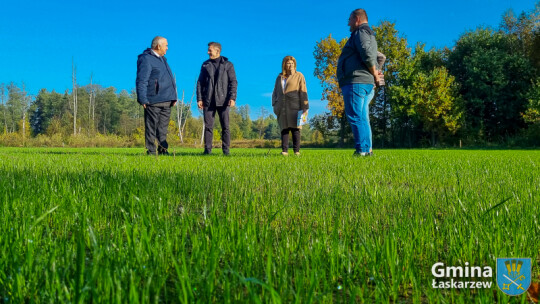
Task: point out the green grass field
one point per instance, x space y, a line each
116 226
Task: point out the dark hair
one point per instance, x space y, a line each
215 45
360 12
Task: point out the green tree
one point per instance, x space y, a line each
326 55
325 124
435 95
261 123
425 97
246 124
107 110
524 28
235 120
532 114
272 131
15 106
387 118
494 80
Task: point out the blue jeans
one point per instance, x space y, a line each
357 97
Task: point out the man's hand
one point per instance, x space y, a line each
232 103
173 104
199 104
377 77
373 70
144 106
379 80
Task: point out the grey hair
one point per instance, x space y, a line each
156 41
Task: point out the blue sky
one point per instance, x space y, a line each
40 38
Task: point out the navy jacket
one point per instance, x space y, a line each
155 81
221 89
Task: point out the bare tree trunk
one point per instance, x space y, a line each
24 127
188 108
5 121
93 106
3 100
179 113
74 93
90 101
179 110
26 105
202 135
384 118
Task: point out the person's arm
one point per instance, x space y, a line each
375 73
274 92
233 85
368 52
304 103
141 83
199 90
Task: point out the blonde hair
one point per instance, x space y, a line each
284 62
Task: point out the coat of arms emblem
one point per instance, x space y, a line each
513 275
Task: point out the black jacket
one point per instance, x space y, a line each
358 54
221 89
155 81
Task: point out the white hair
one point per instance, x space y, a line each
156 41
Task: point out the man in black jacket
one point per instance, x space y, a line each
216 91
156 92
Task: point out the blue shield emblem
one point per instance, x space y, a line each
514 275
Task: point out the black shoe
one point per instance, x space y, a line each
162 151
207 152
226 154
150 153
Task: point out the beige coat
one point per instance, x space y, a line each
289 101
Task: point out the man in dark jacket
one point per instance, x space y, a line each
216 91
357 74
156 92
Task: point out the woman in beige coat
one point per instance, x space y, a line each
288 99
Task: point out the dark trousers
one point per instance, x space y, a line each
295 139
209 115
156 122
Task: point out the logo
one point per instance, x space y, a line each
461 277
514 275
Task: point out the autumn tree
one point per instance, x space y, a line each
326 55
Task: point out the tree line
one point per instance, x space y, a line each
484 89
92 110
